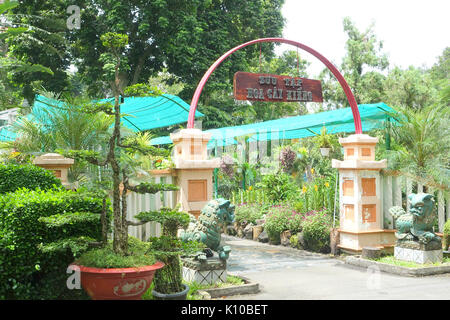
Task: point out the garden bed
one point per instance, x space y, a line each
222 290
403 268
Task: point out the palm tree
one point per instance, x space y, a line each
423 140
61 125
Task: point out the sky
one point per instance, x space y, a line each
413 32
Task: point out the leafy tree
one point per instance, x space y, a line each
15 28
361 67
41 43
187 37
423 139
411 87
60 126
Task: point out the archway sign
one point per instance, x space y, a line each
328 64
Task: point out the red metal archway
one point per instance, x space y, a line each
328 64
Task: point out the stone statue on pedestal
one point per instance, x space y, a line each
208 228
416 240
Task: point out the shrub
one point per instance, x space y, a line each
248 213
13 177
280 218
278 187
446 240
31 218
316 231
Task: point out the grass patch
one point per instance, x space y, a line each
139 255
194 287
391 260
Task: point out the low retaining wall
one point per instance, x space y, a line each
402 271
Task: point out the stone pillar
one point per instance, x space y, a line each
361 218
56 163
193 169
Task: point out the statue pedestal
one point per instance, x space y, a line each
415 252
212 271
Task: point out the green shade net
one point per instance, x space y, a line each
142 113
373 116
145 113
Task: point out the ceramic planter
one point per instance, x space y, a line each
118 283
325 151
182 295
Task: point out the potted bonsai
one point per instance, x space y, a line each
123 268
168 249
324 141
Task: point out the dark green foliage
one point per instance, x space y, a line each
13 177
170 219
22 264
150 187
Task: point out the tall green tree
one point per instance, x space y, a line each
185 36
15 28
411 87
361 67
43 43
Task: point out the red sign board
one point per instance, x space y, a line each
275 88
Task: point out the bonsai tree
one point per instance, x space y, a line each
120 150
168 248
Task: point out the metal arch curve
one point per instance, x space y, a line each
348 92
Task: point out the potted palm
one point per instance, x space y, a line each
168 282
122 268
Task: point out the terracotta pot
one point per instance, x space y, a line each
118 283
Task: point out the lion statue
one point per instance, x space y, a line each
208 228
417 225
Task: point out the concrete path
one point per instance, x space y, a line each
290 274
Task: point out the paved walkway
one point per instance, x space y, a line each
290 274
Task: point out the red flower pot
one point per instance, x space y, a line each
118 283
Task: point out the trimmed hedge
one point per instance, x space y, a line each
23 266
13 177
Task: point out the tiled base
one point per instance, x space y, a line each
205 276
418 256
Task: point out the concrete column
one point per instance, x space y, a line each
56 163
193 169
361 218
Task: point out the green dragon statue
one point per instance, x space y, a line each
208 228
417 225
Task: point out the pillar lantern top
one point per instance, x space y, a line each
360 139
53 159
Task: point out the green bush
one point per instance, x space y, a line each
316 231
446 240
278 187
248 213
31 219
13 177
280 218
